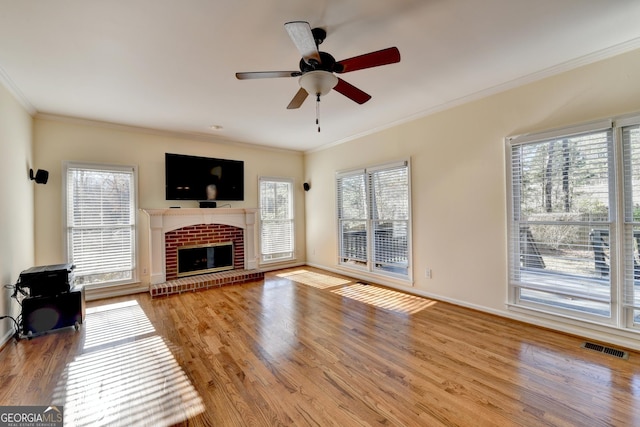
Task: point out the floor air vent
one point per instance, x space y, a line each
606 350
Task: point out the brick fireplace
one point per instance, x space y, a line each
202 234
170 228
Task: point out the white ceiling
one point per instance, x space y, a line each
170 65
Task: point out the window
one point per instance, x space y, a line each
374 219
574 228
100 222
276 219
631 152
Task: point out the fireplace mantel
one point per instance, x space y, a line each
163 220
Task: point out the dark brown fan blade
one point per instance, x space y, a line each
351 92
302 37
373 59
298 99
266 74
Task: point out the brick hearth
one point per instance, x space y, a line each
205 281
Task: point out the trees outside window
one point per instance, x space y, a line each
101 223
374 219
573 233
276 219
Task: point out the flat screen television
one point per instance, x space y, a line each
203 178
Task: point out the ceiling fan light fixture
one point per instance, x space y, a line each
318 82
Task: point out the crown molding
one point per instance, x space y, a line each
13 89
573 64
193 136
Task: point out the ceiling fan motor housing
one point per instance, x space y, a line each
319 34
318 69
328 63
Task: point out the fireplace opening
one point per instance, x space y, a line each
207 258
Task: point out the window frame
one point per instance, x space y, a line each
621 249
628 268
134 210
291 209
369 266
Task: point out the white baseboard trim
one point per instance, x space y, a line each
280 266
6 338
365 276
92 294
619 337
610 335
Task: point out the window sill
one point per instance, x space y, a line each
383 279
277 265
95 292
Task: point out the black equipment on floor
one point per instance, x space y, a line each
46 280
43 314
49 299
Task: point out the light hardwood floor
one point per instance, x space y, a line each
306 347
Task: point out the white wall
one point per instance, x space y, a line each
59 140
459 179
16 201
458 176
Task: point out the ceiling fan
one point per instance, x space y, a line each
317 69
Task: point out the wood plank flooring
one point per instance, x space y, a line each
310 348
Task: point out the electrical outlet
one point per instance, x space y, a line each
427 273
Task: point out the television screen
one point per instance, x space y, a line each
203 178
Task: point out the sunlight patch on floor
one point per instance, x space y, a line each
111 323
136 382
385 298
311 278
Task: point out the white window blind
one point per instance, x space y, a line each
353 218
374 219
390 219
276 219
100 221
570 248
631 154
561 235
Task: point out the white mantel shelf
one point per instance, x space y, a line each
162 221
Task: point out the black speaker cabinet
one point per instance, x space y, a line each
43 314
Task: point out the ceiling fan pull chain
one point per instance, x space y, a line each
318 111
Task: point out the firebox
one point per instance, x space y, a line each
207 258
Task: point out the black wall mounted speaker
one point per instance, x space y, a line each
41 176
306 186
